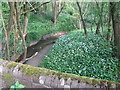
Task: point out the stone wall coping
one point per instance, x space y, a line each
39 75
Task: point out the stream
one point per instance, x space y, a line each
36 52
35 61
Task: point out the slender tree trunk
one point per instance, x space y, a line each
10 22
25 29
115 11
109 25
100 18
98 27
25 18
6 37
60 10
54 12
82 20
45 7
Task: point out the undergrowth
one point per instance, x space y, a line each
40 25
91 57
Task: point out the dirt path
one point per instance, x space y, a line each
35 61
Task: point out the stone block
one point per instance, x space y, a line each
42 79
8 82
103 86
113 85
27 84
54 82
1 69
27 78
90 86
15 73
20 75
4 85
97 86
69 82
74 84
82 85
11 71
62 83
5 70
48 81
66 86
36 79
3 63
35 85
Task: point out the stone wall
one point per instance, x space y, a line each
35 77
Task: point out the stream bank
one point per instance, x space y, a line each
37 59
37 51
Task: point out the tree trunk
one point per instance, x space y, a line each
100 17
54 12
115 11
109 25
19 30
0 30
6 38
82 20
25 28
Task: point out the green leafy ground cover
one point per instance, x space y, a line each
91 57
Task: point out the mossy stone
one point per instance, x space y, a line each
7 76
11 64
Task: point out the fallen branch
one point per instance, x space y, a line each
27 59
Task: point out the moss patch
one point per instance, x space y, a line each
12 64
7 76
90 81
30 71
35 71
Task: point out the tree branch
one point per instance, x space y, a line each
34 8
60 11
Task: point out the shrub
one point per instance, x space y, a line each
73 53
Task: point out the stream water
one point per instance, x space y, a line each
35 61
37 51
